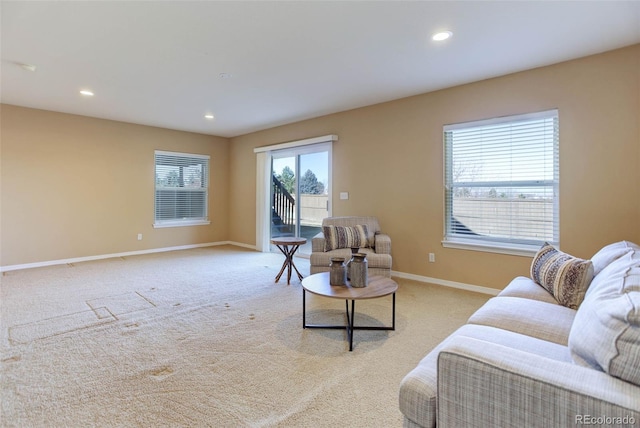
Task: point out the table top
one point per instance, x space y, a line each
289 240
378 286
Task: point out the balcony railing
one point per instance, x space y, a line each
282 208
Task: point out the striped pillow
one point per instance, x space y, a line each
344 237
564 276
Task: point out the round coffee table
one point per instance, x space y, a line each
378 286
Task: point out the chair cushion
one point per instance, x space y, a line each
336 237
382 261
564 276
606 331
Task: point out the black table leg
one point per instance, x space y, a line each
350 326
304 309
393 313
350 321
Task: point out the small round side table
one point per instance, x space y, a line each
288 245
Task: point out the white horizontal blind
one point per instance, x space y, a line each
502 180
182 187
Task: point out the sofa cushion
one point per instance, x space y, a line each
564 276
526 288
611 253
606 331
542 320
336 237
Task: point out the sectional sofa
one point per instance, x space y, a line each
561 348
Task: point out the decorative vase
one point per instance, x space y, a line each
354 250
359 266
337 271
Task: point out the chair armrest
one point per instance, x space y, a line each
317 243
382 243
483 384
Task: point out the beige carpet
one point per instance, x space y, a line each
205 338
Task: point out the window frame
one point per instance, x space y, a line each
519 247
188 221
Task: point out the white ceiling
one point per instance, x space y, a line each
159 63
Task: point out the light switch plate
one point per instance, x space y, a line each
344 195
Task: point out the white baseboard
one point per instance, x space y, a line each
447 283
240 244
125 254
444 282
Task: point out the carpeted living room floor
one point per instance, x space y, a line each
204 337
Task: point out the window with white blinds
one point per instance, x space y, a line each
501 182
181 190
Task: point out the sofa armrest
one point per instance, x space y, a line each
382 243
483 384
317 243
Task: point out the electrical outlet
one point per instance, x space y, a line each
432 258
139 236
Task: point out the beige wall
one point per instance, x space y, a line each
74 186
389 159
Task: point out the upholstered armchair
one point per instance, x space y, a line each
376 245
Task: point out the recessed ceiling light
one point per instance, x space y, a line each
208 116
443 35
86 93
27 67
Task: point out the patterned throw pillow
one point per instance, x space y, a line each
564 276
344 237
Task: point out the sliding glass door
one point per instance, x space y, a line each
300 192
